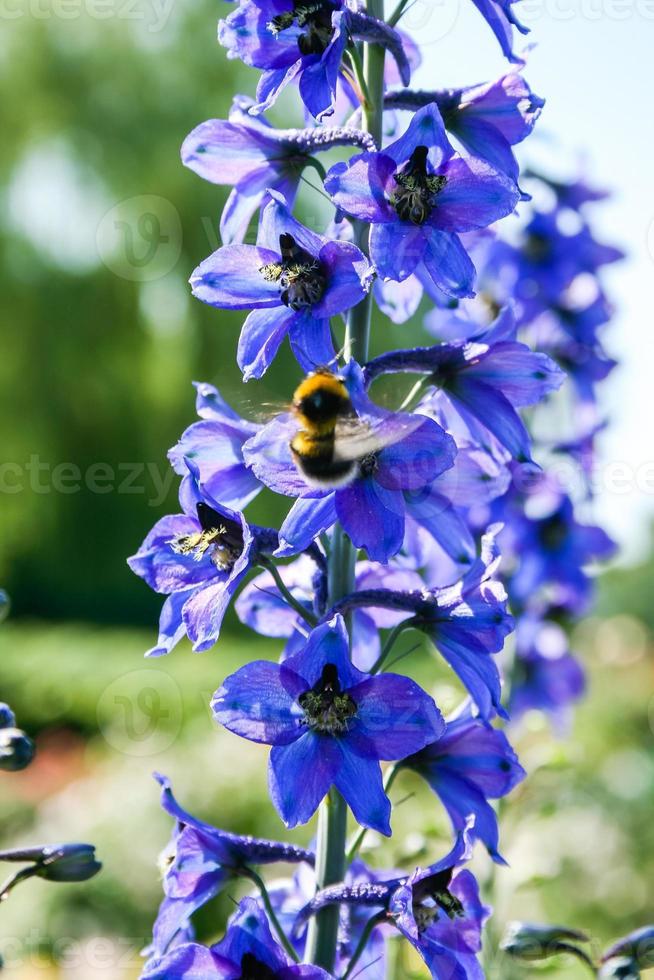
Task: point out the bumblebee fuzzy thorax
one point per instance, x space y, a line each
319 401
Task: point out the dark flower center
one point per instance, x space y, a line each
218 536
254 969
315 22
327 709
431 896
553 532
537 247
415 196
299 276
368 465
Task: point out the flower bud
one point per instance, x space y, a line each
67 862
16 749
637 946
7 717
530 941
619 968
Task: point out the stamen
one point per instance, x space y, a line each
316 21
224 542
415 198
299 275
327 710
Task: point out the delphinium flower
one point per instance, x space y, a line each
407 534
294 281
392 481
214 445
546 676
200 861
265 609
487 377
501 18
290 897
246 152
305 42
198 559
467 622
486 119
329 725
438 909
418 196
248 952
469 764
552 547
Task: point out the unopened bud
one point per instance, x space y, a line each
619 968
16 749
637 946
531 941
7 717
67 862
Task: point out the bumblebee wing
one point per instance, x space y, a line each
356 438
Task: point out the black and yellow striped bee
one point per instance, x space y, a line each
333 445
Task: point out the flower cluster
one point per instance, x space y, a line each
433 515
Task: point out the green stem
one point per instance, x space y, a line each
398 12
265 897
301 610
392 639
322 936
360 836
371 924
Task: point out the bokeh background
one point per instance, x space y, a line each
100 227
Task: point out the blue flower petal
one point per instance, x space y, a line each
231 278
261 336
255 704
300 775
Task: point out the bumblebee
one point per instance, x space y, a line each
333 445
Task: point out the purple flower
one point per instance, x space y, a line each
418 196
486 119
390 483
199 862
290 898
215 446
199 559
468 765
501 19
552 546
303 42
293 280
487 377
329 725
438 909
248 950
550 255
467 622
546 675
251 155
263 608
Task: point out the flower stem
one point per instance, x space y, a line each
372 922
393 637
322 936
265 898
301 610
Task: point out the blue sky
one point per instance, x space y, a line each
593 61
